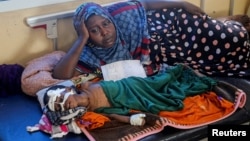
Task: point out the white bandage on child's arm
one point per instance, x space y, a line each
137 119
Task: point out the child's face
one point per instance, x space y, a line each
58 98
59 103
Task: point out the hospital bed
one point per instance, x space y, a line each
20 110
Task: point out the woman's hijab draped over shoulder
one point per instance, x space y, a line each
129 19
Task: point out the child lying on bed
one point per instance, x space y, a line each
162 92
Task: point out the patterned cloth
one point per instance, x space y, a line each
205 44
64 117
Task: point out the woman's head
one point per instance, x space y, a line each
129 20
99 22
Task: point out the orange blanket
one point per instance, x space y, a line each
200 109
91 120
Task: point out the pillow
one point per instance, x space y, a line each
38 73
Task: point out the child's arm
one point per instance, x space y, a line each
120 118
136 119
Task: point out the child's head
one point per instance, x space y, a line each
54 100
57 95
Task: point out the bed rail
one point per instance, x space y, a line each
49 23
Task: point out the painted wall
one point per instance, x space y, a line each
241 6
10 5
19 43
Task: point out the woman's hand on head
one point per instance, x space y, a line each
82 30
193 9
80 26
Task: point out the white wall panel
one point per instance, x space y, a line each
11 5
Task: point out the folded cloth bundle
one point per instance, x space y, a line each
65 117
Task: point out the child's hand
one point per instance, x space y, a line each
71 102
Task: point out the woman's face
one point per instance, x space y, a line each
102 31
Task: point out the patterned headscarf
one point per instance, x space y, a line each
129 19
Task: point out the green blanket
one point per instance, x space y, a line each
162 92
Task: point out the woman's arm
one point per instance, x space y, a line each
159 4
65 69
